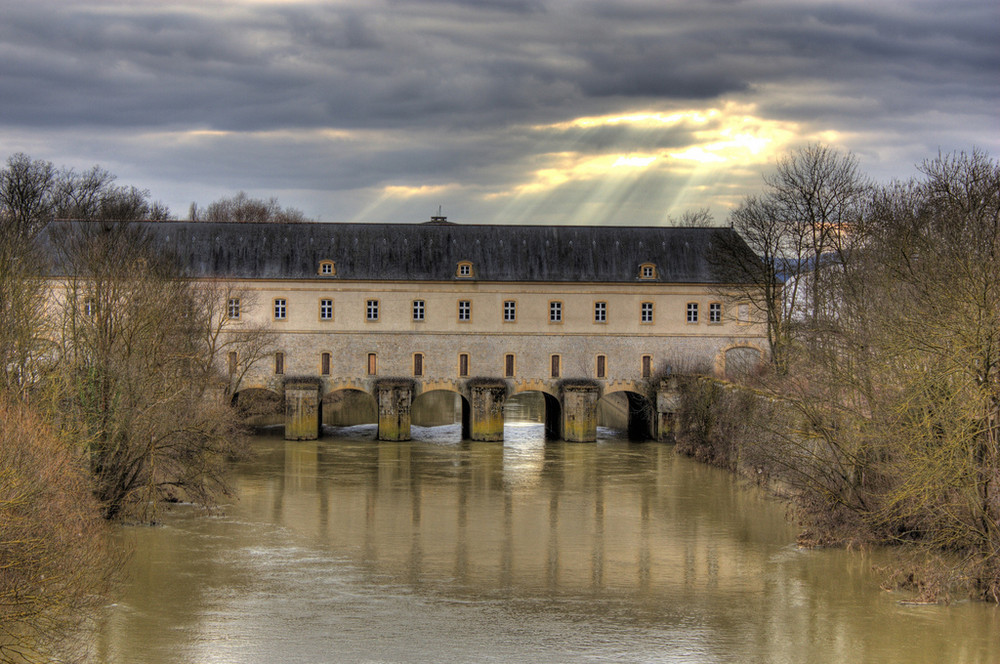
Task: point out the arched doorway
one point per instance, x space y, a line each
741 362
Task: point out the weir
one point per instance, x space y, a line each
571 417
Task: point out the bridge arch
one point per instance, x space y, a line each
348 405
538 405
438 406
629 410
259 406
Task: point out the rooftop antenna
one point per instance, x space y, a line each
439 218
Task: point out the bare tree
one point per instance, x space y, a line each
142 352
243 207
802 223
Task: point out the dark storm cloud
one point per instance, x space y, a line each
425 63
455 90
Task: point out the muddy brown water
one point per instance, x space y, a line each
439 550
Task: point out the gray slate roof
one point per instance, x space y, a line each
431 252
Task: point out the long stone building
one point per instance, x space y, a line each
486 311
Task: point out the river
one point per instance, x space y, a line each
439 550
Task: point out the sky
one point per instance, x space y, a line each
610 112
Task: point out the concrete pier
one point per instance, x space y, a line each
579 401
485 422
394 398
667 406
302 409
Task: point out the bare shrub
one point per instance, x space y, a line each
56 558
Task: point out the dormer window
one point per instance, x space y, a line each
464 270
327 268
647 271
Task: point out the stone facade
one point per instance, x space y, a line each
398 310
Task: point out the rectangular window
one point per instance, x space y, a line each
418 310
233 308
279 363
464 310
692 312
372 364
509 311
646 312
371 310
647 366
600 312
508 365
715 312
602 366
326 309
279 309
463 364
89 307
418 364
555 312
232 362
554 369
743 313
325 364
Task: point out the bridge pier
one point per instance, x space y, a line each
667 404
302 409
394 398
579 401
485 417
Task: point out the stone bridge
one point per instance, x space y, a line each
571 411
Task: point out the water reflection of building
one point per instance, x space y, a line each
551 518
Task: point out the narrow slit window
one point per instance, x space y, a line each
602 366
372 364
463 364
325 364
279 363
647 366
508 365
232 362
554 369
418 364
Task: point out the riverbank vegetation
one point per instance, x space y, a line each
116 376
880 411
